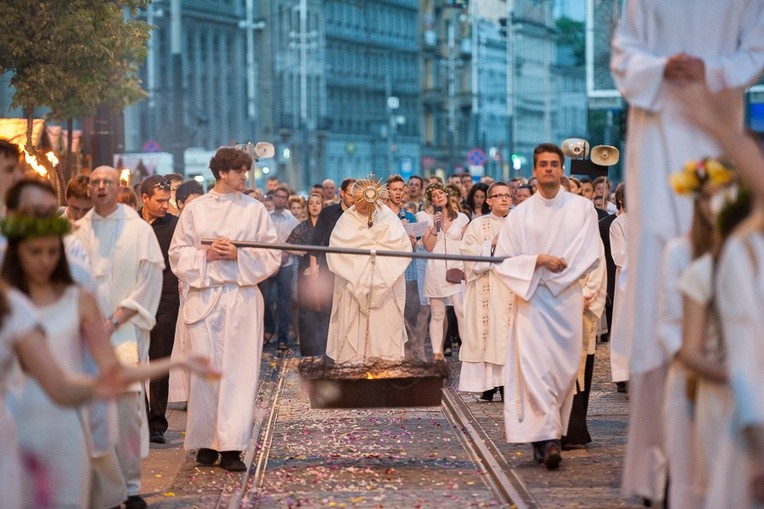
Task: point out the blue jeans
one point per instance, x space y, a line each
282 280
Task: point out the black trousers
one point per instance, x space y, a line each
162 338
578 431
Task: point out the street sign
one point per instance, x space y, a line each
476 157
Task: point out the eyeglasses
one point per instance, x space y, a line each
282 196
163 185
503 195
98 182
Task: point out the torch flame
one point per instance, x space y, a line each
124 176
369 376
36 165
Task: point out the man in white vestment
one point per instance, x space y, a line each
552 240
487 302
367 319
126 263
224 307
658 48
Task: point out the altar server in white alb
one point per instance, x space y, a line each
224 308
552 240
369 291
658 49
487 302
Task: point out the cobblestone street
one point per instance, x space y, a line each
391 457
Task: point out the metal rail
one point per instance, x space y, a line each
505 484
364 252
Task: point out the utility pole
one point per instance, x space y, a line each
177 88
451 95
510 80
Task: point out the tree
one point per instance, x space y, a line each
572 33
71 57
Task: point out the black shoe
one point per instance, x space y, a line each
552 456
135 502
447 352
488 395
157 437
501 391
231 461
605 338
283 345
622 387
206 456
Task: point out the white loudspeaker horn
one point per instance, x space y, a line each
575 148
264 150
605 155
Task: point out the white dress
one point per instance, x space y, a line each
722 473
740 290
620 336
20 320
435 284
59 452
678 413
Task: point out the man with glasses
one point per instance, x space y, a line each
487 302
127 263
155 195
223 309
281 282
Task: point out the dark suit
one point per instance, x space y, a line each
605 235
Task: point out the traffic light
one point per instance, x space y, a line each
517 161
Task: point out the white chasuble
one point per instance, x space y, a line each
487 311
545 339
224 313
369 291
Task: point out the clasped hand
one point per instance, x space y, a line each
221 249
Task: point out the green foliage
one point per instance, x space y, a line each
72 56
572 33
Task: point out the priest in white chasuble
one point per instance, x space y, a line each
487 302
369 291
552 240
223 309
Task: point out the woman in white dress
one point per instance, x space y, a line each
444 234
34 264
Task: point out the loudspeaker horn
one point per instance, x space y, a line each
605 155
264 150
575 148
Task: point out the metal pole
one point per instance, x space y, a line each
303 41
364 252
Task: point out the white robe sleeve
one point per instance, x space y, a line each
741 68
739 296
188 258
581 255
618 245
518 272
256 265
676 257
595 287
473 244
637 71
144 296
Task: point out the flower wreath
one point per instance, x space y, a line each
695 174
432 187
21 226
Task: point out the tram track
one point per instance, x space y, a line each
242 491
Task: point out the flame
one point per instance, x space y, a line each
369 376
36 165
124 176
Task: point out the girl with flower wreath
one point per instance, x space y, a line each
35 266
739 284
445 229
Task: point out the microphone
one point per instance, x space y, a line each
437 209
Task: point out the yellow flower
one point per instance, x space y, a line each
690 166
684 182
718 174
